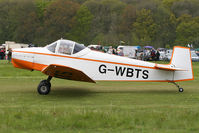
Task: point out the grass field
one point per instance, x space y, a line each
108 107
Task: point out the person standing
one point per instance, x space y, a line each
110 50
157 55
2 54
9 55
153 54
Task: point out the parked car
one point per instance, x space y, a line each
168 54
194 56
95 47
197 51
129 51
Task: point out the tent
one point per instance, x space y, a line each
148 47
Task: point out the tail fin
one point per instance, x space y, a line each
181 58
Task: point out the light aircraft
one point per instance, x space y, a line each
73 61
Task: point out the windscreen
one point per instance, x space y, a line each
65 47
52 47
78 47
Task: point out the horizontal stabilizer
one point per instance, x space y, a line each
65 72
168 67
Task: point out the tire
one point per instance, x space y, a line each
181 90
44 87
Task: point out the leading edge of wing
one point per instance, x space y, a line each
66 72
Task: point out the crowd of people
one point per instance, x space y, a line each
114 51
141 54
144 54
6 55
2 53
150 55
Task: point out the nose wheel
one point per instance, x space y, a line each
44 86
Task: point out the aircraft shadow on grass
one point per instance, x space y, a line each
71 92
85 92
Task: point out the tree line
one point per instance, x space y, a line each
160 23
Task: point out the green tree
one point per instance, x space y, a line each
58 19
169 3
184 18
184 7
188 32
128 17
27 22
106 20
14 16
81 25
145 28
166 27
41 6
8 20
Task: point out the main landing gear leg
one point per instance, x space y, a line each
180 89
44 86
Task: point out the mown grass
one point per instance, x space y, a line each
102 107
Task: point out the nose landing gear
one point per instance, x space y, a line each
44 86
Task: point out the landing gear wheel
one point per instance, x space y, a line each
44 87
181 90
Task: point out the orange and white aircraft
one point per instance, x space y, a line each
69 60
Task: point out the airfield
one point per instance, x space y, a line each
103 107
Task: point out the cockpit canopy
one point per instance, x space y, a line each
65 47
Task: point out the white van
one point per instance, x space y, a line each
128 51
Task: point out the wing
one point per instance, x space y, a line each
65 72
